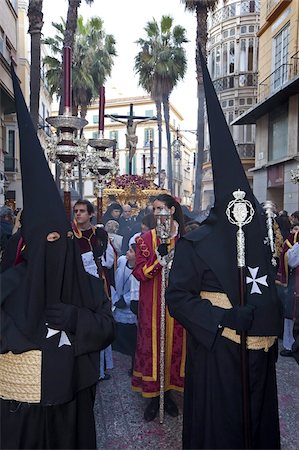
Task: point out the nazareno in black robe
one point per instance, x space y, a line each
213 397
50 278
64 417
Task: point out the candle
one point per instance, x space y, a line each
101 108
151 153
67 82
143 162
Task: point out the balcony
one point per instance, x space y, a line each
276 79
43 125
238 8
246 151
235 81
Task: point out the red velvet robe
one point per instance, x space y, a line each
146 365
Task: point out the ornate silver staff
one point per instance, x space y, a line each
163 229
240 212
270 209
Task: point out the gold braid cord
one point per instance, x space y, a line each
221 300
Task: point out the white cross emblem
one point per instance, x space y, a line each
256 281
64 340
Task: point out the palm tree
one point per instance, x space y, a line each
92 61
35 17
161 63
201 7
94 51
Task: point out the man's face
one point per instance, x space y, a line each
115 213
81 215
126 212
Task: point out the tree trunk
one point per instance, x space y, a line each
35 16
201 40
71 25
159 122
165 100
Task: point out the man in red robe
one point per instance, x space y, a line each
148 270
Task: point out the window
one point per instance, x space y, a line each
95 119
248 133
280 57
149 112
114 135
217 61
225 59
278 133
231 103
224 104
251 28
9 158
148 136
242 101
250 54
225 34
231 57
243 29
232 32
249 101
246 55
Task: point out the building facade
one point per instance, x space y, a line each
15 44
232 50
276 113
8 50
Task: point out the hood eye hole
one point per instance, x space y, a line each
53 236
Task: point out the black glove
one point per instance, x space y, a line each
62 316
163 249
134 307
238 318
120 304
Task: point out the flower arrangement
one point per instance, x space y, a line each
126 180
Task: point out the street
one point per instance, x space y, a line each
119 412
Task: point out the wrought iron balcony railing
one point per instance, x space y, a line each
235 81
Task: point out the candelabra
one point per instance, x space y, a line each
66 150
100 164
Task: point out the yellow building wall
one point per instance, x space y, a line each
270 26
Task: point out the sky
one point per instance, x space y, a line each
126 19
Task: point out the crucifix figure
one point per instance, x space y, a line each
131 137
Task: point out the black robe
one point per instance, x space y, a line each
213 397
64 417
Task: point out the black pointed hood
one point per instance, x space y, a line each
51 273
42 204
215 240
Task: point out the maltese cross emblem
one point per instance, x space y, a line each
255 289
